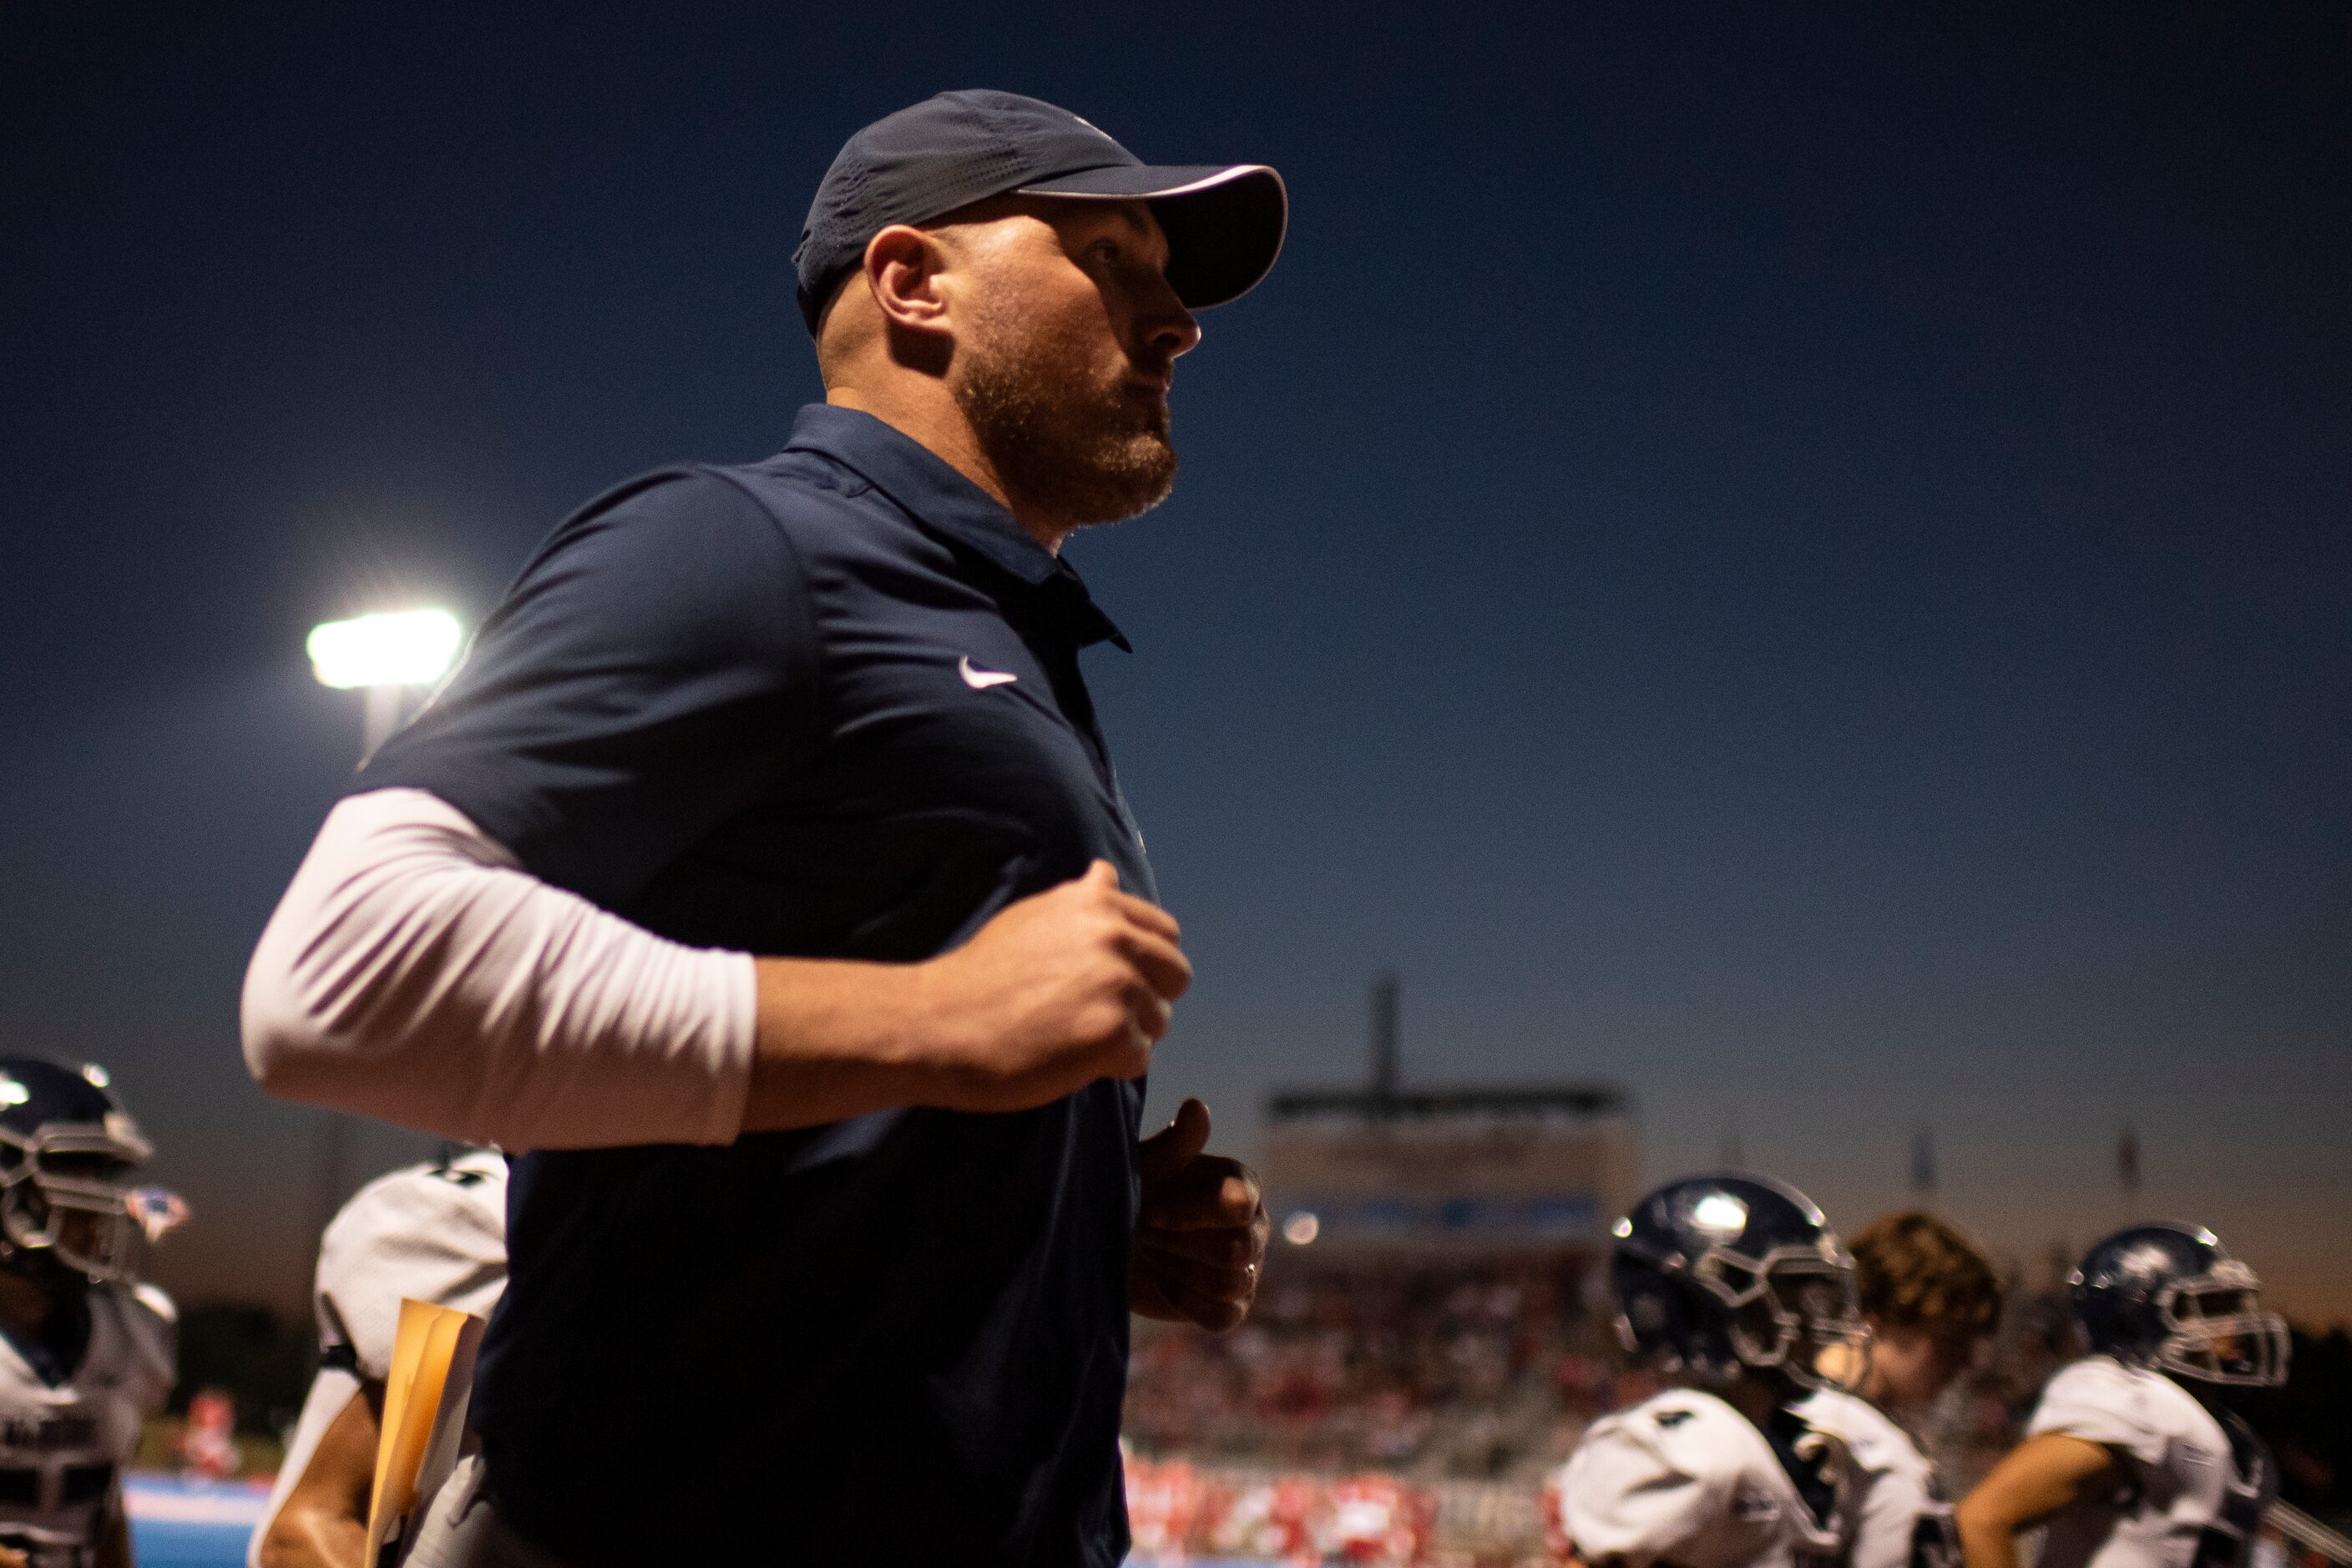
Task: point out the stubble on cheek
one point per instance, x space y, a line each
1068 430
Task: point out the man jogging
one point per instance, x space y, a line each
764 882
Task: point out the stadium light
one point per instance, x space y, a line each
383 656
411 648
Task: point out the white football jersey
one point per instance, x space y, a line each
437 1233
63 1445
1685 1479
1901 1518
2194 1488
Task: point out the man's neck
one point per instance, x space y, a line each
930 419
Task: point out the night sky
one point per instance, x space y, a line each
1794 557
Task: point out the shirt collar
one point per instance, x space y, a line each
930 490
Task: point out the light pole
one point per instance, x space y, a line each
384 657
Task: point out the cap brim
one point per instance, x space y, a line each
1224 221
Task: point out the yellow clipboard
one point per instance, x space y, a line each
425 1400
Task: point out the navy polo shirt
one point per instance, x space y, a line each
749 708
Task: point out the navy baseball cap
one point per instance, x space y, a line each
1224 221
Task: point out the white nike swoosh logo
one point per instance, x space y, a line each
982 680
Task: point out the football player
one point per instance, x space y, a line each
1734 1287
2130 1460
1931 1299
87 1353
436 1232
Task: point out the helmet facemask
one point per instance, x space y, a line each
2215 1330
66 1193
1793 1311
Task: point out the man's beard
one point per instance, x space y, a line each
1071 453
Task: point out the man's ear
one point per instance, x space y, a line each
902 270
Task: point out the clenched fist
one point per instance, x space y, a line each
1202 1233
1062 988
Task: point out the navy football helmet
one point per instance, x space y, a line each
69 1152
1714 1275
2167 1296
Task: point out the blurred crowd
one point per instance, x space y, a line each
1430 1370
1441 1370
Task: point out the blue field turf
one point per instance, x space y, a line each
192 1524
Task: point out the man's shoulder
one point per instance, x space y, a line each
824 507
686 558
694 495
794 474
805 499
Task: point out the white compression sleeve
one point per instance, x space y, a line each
415 973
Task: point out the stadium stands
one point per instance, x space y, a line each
1431 1370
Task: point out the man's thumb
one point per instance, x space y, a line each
1176 1145
1101 872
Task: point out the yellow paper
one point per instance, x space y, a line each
431 1343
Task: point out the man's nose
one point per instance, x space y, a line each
1174 331
1163 325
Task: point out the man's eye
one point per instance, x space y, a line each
1105 251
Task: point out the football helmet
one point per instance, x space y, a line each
67 1156
2167 1296
1714 1275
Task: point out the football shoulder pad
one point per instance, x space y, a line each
2134 1410
1877 1445
1901 1518
1656 1483
134 1344
436 1233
